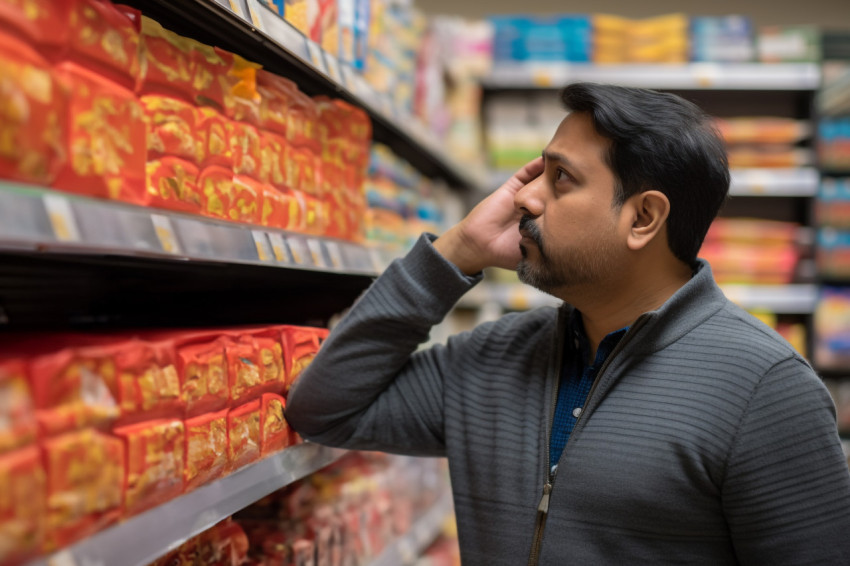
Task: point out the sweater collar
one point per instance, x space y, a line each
687 308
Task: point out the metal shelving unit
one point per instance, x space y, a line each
690 76
139 540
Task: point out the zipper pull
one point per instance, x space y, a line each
544 501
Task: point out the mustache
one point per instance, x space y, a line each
527 225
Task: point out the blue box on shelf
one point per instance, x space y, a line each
729 39
529 38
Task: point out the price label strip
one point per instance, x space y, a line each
300 253
317 56
349 78
335 255
279 248
165 232
333 66
264 249
315 247
61 218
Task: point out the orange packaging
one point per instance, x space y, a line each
33 107
302 165
275 101
155 460
171 127
104 38
275 433
211 79
239 90
274 208
85 481
216 185
40 22
72 390
255 365
245 147
243 433
168 62
22 505
105 138
206 449
302 343
225 544
272 167
246 201
325 29
316 215
17 413
302 121
146 381
202 368
213 139
173 185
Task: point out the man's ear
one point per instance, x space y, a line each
649 216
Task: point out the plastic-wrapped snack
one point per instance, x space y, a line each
243 433
173 185
17 413
206 449
22 505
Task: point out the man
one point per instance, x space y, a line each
646 421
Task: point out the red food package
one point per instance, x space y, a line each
255 364
173 185
273 152
301 169
246 200
243 434
274 210
22 505
316 214
211 80
241 99
146 381
302 122
104 38
216 185
33 107
85 484
105 138
171 127
40 22
302 343
225 544
276 94
17 413
304 553
202 368
245 147
155 460
168 62
72 390
206 449
275 432
213 138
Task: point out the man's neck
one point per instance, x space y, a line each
610 309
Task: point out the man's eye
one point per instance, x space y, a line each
561 175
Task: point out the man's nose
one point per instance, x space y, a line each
528 199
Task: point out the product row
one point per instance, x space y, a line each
344 515
95 428
670 38
113 105
518 125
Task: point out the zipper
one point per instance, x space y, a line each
549 482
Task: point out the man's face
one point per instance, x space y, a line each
571 229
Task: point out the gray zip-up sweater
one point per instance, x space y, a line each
705 440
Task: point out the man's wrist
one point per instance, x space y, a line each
452 246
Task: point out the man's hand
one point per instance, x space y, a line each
489 235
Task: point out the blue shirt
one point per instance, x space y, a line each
575 383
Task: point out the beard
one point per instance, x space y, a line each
555 270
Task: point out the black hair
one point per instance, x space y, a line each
660 141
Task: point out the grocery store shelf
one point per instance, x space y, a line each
406 549
143 538
507 296
37 218
781 299
798 182
252 30
127 265
690 76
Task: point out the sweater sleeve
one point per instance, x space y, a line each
368 388
786 493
